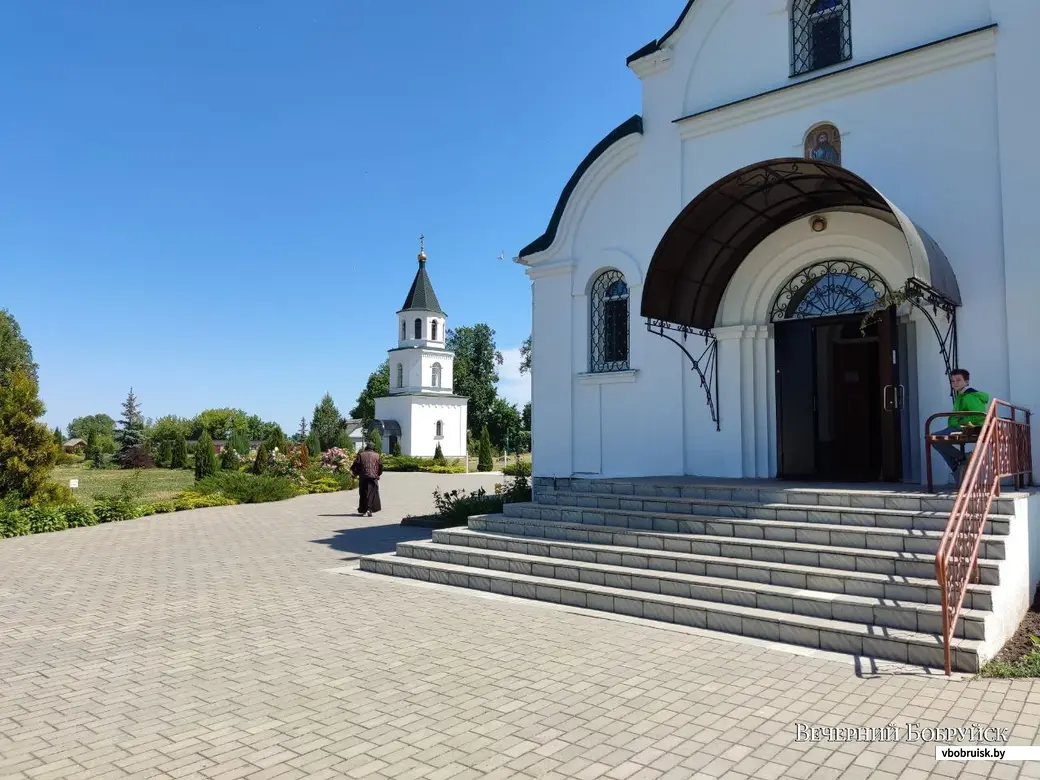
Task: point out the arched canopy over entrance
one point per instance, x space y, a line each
711 237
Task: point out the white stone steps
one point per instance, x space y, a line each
859 536
831 581
903 615
924 520
833 635
902 564
764 493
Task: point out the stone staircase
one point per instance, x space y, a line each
849 571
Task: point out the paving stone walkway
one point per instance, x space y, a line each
241 642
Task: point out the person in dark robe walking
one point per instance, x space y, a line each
368 468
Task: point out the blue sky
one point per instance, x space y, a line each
218 202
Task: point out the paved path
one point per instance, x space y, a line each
237 642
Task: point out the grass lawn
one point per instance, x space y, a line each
155 484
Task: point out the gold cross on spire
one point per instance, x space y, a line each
422 250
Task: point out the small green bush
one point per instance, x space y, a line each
518 468
45 519
14 522
410 463
114 510
79 516
249 488
260 464
457 506
189 499
157 508
438 455
323 485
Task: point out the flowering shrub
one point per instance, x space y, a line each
281 465
336 459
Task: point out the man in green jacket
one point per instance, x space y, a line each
965 399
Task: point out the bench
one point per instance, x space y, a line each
968 435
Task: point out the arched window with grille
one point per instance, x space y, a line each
400 375
418 328
439 429
433 330
821 34
608 328
435 372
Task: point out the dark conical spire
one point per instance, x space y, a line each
421 295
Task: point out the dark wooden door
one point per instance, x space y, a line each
854 396
893 397
795 399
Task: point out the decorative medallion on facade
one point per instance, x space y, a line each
827 289
823 143
609 323
821 34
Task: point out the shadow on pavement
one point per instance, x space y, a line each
372 539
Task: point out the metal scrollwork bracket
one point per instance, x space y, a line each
705 364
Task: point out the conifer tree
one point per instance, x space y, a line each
92 444
313 443
205 458
301 434
179 455
376 438
58 438
395 447
260 464
303 454
228 458
438 455
165 452
27 451
131 434
485 461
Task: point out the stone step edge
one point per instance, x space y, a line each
798 525
776 487
803 621
895 555
793 568
973 615
869 510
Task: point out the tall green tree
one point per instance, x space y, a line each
15 351
275 439
378 386
375 438
485 461
92 444
219 423
301 433
525 356
255 428
167 428
27 451
239 441
326 423
504 424
58 438
475 370
205 457
130 436
179 455
525 417
81 427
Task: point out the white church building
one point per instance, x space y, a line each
421 411
699 294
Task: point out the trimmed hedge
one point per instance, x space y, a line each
430 465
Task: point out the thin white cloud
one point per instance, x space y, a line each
512 385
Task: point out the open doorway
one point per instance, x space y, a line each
838 399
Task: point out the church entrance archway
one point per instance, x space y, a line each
838 398
797 384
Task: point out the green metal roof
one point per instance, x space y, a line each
421 296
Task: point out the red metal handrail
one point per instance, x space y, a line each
1003 451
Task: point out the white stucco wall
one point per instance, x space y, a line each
942 132
418 416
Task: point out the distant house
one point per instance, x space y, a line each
78 446
356 433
